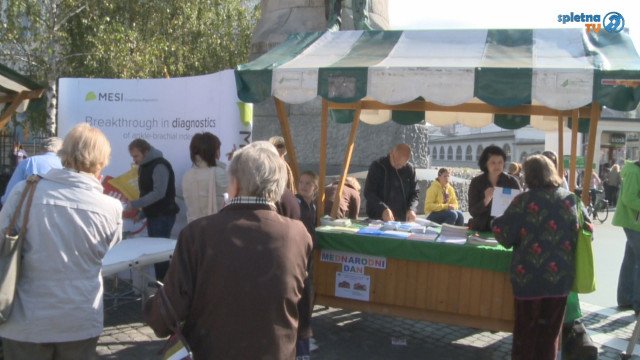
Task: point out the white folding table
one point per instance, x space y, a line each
135 255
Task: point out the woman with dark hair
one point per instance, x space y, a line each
542 227
204 184
481 189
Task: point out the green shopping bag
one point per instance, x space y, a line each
585 281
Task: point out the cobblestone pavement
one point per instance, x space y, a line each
342 334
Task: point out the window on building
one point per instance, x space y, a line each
441 152
469 155
507 150
459 153
435 153
479 152
450 153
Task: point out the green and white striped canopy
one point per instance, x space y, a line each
561 69
11 83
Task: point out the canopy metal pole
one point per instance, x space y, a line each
574 146
560 146
588 166
323 159
288 140
346 163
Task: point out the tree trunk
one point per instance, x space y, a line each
52 107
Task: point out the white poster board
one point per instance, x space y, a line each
502 197
165 112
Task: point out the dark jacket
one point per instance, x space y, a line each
349 202
288 205
156 182
235 279
542 227
481 214
388 188
305 306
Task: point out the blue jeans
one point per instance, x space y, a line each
629 280
160 226
451 217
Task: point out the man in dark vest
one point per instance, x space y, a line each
156 182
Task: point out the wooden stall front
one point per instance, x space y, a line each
422 289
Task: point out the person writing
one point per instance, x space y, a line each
481 189
349 206
391 189
441 203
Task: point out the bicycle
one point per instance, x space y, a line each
598 211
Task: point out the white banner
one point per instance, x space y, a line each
165 112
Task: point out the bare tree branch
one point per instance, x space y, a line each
69 15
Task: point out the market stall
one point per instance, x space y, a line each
511 77
464 285
16 90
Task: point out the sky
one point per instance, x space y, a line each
496 14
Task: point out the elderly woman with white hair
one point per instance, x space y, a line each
57 312
236 276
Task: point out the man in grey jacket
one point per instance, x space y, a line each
156 181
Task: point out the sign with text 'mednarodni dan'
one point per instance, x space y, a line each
355 260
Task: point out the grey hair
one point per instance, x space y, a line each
52 144
259 171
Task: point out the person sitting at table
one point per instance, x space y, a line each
481 189
237 276
349 201
541 225
391 189
441 203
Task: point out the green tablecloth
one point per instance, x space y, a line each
481 257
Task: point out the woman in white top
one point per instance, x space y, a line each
203 186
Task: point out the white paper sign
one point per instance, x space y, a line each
353 286
502 197
165 112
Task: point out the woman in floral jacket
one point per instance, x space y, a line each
542 227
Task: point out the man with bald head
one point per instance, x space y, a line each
391 188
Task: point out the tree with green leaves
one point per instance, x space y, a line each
49 39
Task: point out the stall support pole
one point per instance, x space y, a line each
6 115
323 159
560 146
588 166
288 140
574 145
346 163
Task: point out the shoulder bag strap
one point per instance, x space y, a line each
169 314
29 189
213 198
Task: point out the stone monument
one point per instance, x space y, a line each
280 18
